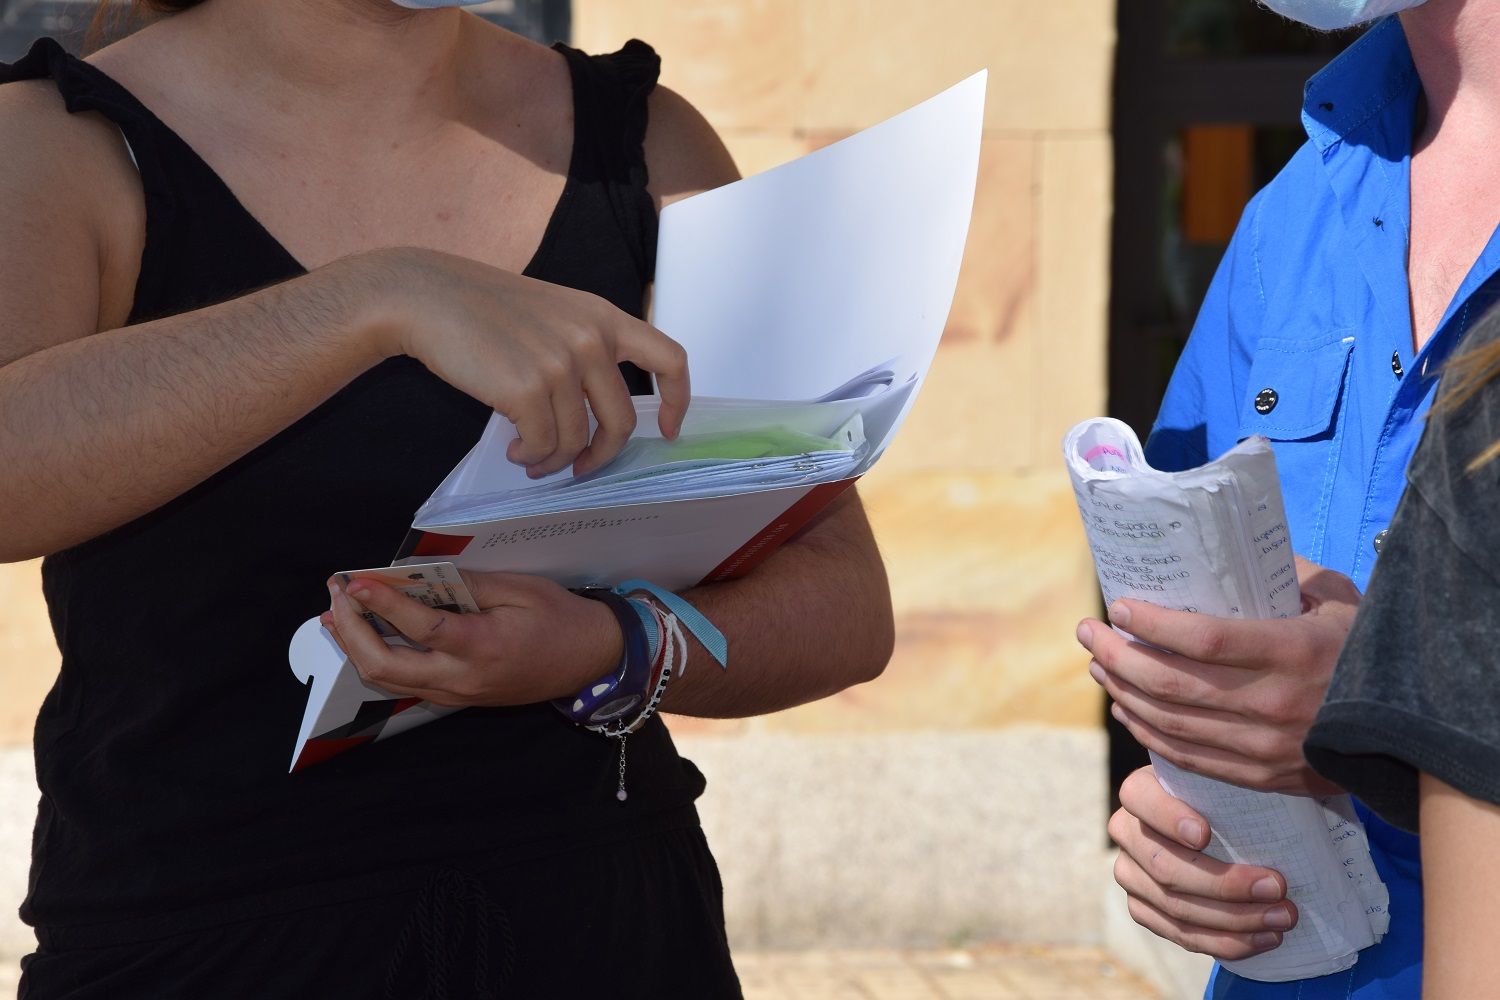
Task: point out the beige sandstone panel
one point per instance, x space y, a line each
976 408
994 298
738 61
1050 62
974 413
28 656
1072 288
755 152
989 577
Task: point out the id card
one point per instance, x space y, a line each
437 585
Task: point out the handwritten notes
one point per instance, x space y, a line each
1215 540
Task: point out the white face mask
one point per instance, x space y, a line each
1332 15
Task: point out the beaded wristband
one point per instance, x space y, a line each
655 651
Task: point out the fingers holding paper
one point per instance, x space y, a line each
1227 698
1228 911
533 641
534 351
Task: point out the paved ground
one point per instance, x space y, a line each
992 973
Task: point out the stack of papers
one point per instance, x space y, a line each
1214 540
726 447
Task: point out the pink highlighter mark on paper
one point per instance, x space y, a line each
1103 449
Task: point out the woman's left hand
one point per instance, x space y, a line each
534 641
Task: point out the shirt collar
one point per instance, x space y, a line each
1362 82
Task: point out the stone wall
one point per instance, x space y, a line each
960 797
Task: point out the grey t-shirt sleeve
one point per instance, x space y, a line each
1417 687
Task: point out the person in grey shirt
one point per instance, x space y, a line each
1411 723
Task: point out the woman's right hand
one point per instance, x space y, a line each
532 350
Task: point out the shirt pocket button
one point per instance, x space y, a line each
1265 401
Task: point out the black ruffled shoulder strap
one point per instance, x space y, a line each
85 88
610 95
199 238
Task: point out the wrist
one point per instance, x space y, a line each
372 290
603 642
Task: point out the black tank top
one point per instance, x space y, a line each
162 750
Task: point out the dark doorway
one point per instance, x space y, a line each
1207 108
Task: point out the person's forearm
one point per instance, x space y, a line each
1460 889
813 619
98 431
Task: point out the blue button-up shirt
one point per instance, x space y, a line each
1311 302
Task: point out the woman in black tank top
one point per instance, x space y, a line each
485 855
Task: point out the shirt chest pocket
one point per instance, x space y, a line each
1294 396
1295 387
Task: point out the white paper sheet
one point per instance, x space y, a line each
838 261
1215 540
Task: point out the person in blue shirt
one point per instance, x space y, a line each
1349 281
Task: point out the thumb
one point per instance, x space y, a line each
1321 585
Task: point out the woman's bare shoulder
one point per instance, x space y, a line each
71 208
49 149
684 153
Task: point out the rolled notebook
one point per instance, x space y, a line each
1215 540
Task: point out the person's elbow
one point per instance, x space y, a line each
877 643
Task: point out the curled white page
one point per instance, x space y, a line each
1215 540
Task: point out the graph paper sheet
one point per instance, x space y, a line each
1214 540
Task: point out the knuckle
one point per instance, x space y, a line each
1210 642
1188 762
1174 725
465 688
372 672
1164 685
435 630
1141 914
1267 778
1161 868
587 340
1275 706
1177 907
1274 745
1136 783
1119 821
529 382
557 367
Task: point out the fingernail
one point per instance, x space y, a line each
1118 713
333 589
1190 831
1265 939
1097 672
1267 890
1085 636
1119 614
359 591
1278 917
